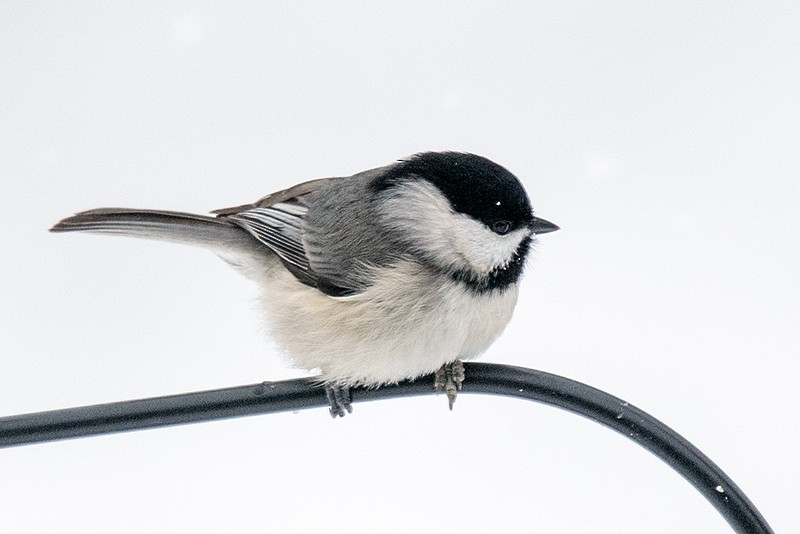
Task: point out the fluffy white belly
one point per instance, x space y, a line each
392 332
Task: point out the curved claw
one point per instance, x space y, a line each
449 378
339 400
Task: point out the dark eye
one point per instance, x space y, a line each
501 227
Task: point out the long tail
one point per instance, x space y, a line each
172 226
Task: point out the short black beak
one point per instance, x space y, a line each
540 226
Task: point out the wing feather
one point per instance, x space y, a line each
292 194
280 231
278 222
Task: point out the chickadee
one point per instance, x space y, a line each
386 275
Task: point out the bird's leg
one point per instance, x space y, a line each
449 378
339 399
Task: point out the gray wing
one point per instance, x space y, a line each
323 231
324 240
278 221
344 242
293 194
280 228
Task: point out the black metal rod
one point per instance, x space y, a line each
493 379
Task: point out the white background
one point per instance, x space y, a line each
664 138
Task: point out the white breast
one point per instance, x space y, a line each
391 332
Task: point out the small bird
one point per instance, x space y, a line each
386 275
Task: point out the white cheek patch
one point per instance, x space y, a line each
427 221
483 249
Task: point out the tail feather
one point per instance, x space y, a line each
172 226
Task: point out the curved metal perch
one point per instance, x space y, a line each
494 379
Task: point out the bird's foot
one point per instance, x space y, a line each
449 378
339 400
